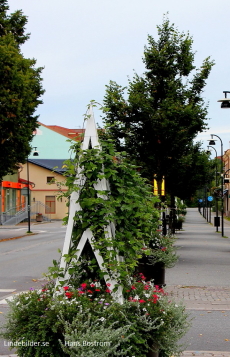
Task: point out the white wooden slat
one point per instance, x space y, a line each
90 137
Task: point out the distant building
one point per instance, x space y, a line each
53 148
47 182
52 142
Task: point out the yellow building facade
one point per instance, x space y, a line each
45 190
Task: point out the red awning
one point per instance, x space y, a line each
26 182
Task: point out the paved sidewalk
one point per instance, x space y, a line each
201 277
203 354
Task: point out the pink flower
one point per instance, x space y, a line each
142 276
92 285
65 288
155 298
108 284
142 300
108 291
68 294
83 285
133 287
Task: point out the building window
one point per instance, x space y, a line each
50 204
50 179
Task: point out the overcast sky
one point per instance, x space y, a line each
85 44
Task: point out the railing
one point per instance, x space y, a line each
18 214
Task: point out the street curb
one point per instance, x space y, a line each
25 235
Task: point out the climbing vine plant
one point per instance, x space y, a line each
128 203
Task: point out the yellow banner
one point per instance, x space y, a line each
155 187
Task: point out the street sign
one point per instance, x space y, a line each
210 198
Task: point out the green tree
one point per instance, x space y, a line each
164 110
20 90
196 171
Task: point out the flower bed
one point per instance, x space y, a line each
62 322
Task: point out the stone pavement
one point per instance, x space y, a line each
202 354
201 298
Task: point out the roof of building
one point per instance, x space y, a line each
50 164
74 134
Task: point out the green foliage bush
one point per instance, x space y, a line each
148 317
128 203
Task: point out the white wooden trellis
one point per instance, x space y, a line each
90 141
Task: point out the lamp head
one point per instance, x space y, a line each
225 103
212 142
35 153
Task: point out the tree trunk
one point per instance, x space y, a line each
172 214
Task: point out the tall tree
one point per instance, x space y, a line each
20 90
164 110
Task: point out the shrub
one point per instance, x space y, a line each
146 318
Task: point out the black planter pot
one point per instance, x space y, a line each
151 271
152 354
178 225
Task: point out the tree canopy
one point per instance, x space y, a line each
158 115
20 91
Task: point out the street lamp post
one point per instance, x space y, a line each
216 199
212 142
35 153
28 196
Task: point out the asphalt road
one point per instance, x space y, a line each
23 261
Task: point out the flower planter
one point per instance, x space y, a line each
39 218
151 271
152 354
178 225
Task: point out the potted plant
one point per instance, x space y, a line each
39 217
160 254
146 324
179 222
